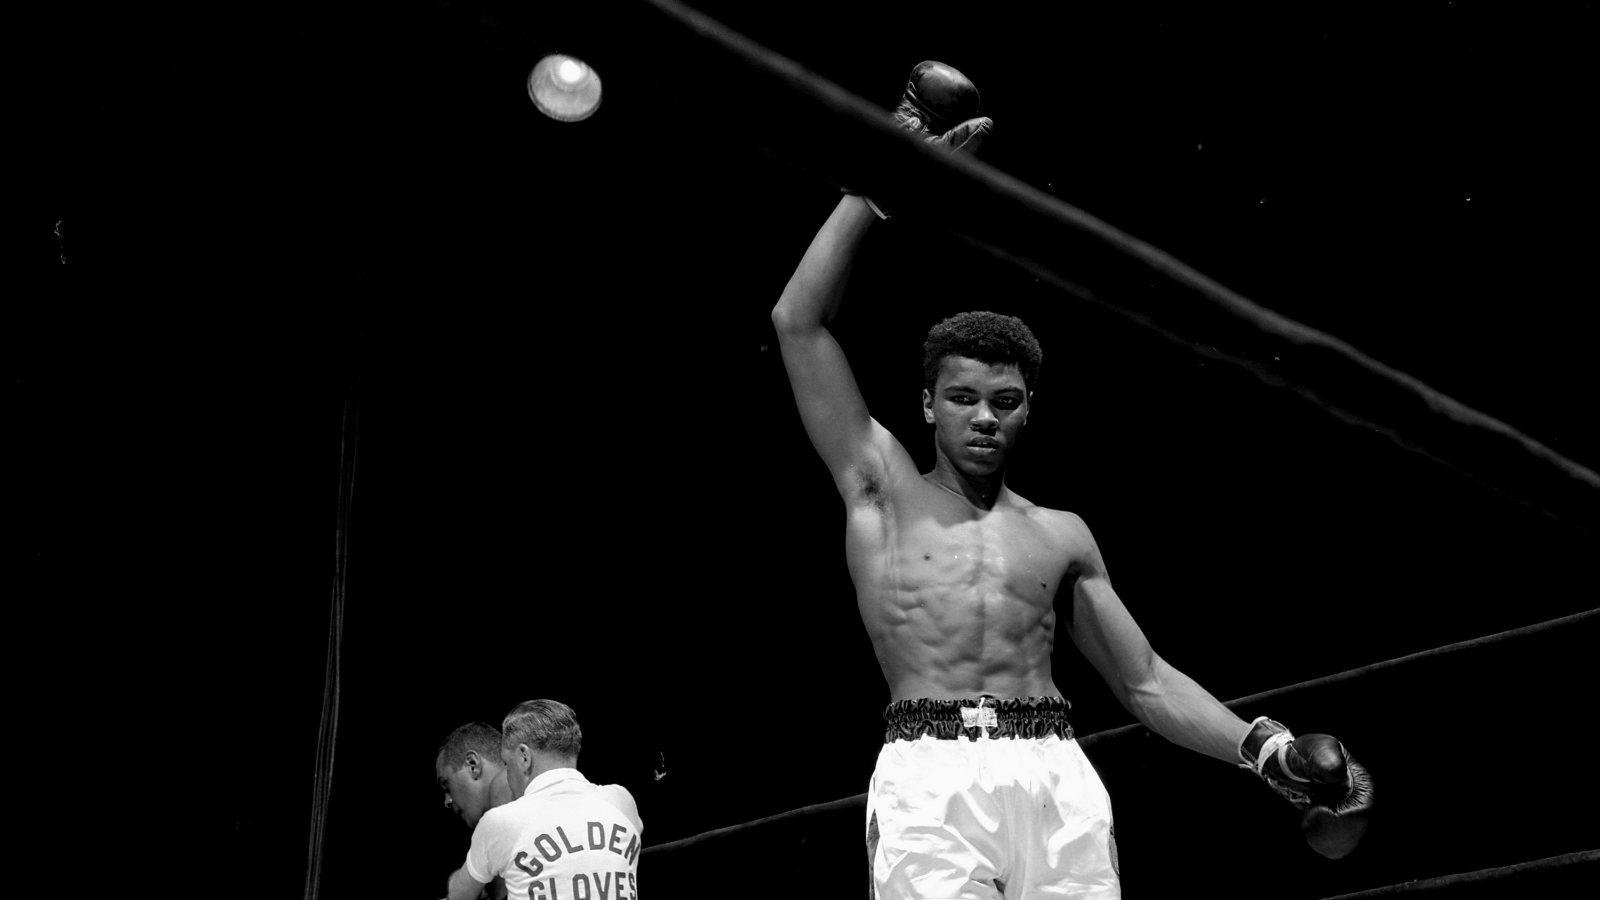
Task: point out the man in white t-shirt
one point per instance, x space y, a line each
561 838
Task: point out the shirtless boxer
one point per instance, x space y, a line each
980 790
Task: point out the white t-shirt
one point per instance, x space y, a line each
563 839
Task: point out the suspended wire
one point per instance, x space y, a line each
328 725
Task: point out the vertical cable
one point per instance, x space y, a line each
327 727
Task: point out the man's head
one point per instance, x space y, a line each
467 764
538 735
979 372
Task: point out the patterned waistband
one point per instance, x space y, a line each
946 720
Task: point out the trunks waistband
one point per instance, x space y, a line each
946 720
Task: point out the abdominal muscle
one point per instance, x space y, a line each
961 610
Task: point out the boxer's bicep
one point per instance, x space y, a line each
854 447
1164 699
1099 624
1108 637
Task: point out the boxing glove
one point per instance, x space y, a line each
1319 777
941 106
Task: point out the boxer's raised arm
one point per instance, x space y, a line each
940 105
825 390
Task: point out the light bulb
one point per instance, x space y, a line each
564 88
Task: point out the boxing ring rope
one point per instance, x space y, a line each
1096 740
1500 873
846 140
1255 700
858 801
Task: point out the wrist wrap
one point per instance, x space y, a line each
1271 762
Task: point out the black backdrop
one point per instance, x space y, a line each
579 472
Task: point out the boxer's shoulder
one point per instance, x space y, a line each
1067 532
1067 526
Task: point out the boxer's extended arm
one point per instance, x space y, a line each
1167 701
1314 772
825 390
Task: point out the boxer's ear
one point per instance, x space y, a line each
927 406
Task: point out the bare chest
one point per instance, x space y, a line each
1006 553
943 550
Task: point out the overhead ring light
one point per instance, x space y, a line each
564 88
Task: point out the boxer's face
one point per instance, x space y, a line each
466 790
977 411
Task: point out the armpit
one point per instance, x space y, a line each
871 487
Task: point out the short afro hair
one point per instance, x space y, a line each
484 739
986 337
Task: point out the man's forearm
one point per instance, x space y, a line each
1172 705
812 295
463 886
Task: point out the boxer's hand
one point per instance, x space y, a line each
940 105
1317 775
1339 791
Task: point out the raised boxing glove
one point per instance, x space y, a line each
941 106
1318 776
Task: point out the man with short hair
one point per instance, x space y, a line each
473 778
980 790
470 772
559 836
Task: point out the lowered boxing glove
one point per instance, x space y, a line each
940 105
1319 777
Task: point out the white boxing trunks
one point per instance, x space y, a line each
984 799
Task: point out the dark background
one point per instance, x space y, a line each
580 474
